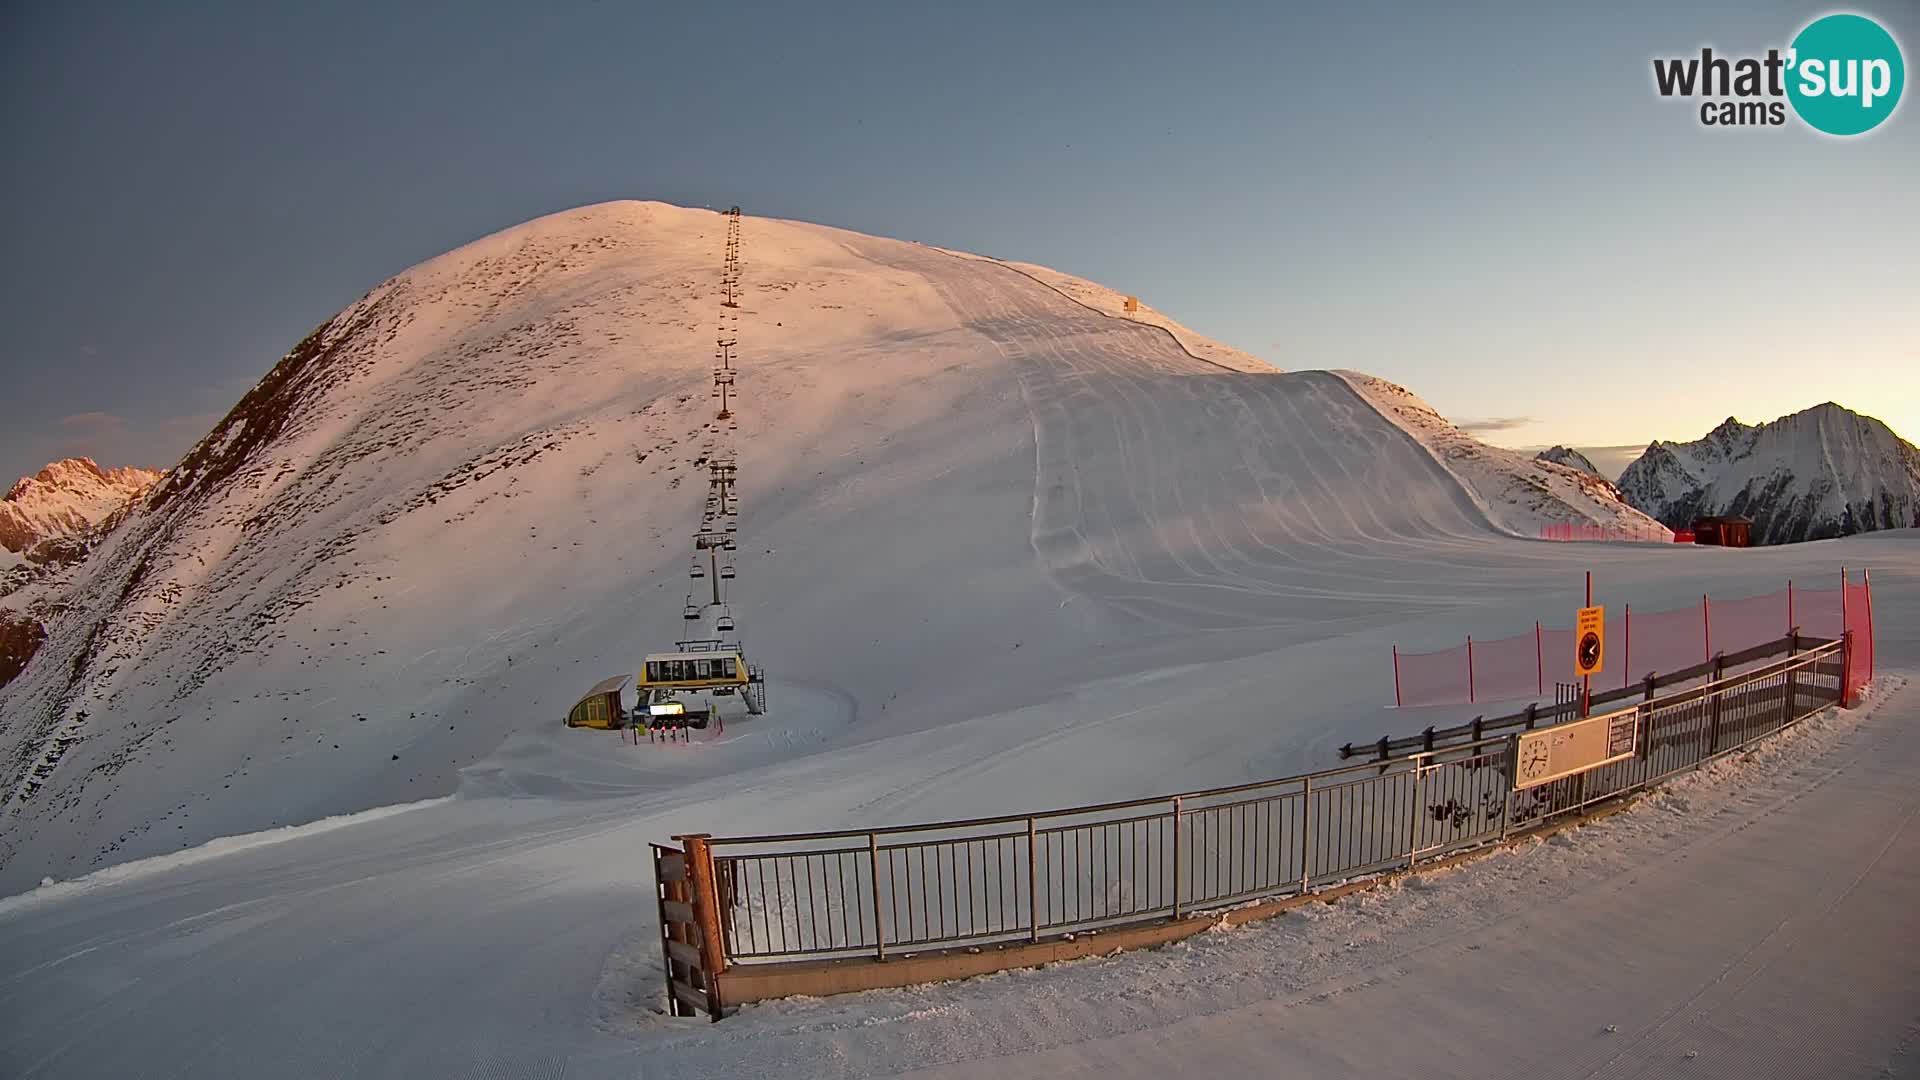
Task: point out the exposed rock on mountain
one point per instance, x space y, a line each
1823 472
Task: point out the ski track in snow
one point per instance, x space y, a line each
1002 553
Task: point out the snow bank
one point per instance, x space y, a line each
51 891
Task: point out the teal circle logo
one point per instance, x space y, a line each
1844 74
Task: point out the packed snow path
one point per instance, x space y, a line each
1753 920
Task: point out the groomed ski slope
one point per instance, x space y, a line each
1755 916
968 497
1000 551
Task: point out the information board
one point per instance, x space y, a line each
1563 750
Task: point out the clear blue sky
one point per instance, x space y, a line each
1488 203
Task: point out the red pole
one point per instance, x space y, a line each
1866 582
1539 662
1626 669
1586 681
1469 668
1396 676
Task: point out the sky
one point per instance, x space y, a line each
1489 204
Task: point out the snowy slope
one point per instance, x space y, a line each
1001 552
1826 471
1517 493
1754 920
1110 302
65 499
466 498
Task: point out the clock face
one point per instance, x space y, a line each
1589 651
1533 760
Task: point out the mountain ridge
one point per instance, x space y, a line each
1822 472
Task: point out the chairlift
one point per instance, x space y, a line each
726 572
698 570
724 624
692 612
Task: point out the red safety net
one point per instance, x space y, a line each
1748 621
1818 613
1507 669
1645 534
1659 641
1526 666
1556 656
1435 678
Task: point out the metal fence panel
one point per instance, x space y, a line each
1014 878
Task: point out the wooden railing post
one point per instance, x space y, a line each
1793 681
706 913
1713 706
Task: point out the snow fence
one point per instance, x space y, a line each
1526 666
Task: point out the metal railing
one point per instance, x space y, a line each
1012 878
1536 715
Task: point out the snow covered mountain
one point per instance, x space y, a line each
966 488
1568 456
1518 494
65 500
1823 472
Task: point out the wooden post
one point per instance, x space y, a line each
1793 650
1713 707
706 913
665 892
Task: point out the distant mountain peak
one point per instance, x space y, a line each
66 499
1568 456
1824 471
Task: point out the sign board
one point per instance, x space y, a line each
1589 641
1560 751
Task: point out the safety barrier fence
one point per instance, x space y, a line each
1652 533
987 882
1526 666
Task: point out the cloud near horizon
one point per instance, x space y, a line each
1494 424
